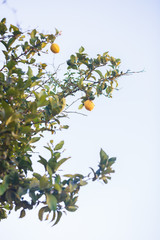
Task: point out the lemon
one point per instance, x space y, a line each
55 48
89 105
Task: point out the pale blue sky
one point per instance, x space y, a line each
126 126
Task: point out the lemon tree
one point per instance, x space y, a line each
33 101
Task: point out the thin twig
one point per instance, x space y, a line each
72 103
75 112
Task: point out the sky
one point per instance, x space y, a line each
126 126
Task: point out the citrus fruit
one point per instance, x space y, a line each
89 105
55 48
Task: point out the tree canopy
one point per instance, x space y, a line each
32 101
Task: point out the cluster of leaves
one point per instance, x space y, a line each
87 77
32 101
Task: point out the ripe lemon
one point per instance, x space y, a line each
89 105
55 48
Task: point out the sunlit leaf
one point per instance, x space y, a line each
33 33
59 145
80 106
51 202
34 139
72 208
30 72
81 50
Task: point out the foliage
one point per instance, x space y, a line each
32 101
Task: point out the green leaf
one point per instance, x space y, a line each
99 72
25 164
42 211
22 191
74 200
72 186
30 73
57 178
43 161
111 161
49 170
33 107
11 41
3 28
15 29
105 181
11 64
34 139
58 187
36 83
10 196
59 215
65 126
44 183
33 196
80 83
83 183
47 217
40 214
42 101
3 188
33 33
52 164
34 184
51 202
22 214
37 175
81 49
72 58
5 44
69 175
12 118
8 109
43 45
78 175
3 20
26 129
72 208
80 106
56 155
104 157
60 163
59 145
54 216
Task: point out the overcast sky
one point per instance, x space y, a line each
126 126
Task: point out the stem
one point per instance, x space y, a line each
72 103
75 112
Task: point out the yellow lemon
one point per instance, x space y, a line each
55 48
89 105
